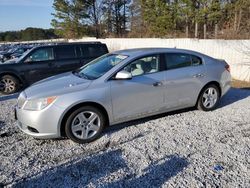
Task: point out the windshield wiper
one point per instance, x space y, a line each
80 75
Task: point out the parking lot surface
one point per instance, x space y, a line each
188 148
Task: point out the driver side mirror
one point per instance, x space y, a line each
123 75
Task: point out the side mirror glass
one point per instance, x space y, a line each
123 75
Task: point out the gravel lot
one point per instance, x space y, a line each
187 148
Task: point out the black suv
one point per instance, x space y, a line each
44 61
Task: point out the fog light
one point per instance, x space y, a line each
31 129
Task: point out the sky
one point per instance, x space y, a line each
20 14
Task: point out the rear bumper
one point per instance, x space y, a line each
225 82
226 88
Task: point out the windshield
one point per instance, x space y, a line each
99 66
22 56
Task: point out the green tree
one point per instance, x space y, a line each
69 18
116 16
33 34
10 36
137 26
157 17
242 15
28 34
214 15
186 14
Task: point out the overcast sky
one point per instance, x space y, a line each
19 14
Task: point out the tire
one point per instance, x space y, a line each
208 98
9 84
81 128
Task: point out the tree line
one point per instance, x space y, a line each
152 18
227 19
28 34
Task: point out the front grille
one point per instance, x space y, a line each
21 100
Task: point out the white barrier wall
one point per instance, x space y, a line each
235 52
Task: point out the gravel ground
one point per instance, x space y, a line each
187 148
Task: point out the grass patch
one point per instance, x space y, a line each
240 84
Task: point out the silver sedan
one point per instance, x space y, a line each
118 87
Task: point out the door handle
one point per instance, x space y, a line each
198 75
157 84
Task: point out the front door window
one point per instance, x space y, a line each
43 54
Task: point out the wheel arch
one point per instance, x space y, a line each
12 74
76 106
207 84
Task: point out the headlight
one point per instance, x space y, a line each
38 104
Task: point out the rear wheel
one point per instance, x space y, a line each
208 98
85 124
9 84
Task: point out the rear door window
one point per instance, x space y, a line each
177 60
196 60
93 50
65 52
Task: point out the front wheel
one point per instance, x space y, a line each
85 124
9 84
208 98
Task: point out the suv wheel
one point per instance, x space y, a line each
85 124
208 98
9 84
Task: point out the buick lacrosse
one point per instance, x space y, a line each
118 87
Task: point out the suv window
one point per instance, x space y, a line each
65 52
93 50
43 54
145 65
177 60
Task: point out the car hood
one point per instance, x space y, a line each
56 85
6 53
3 64
11 61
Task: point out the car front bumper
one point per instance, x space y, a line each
42 124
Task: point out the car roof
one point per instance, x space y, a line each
145 51
67 44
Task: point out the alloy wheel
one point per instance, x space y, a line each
7 85
85 125
210 97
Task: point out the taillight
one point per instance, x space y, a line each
227 67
